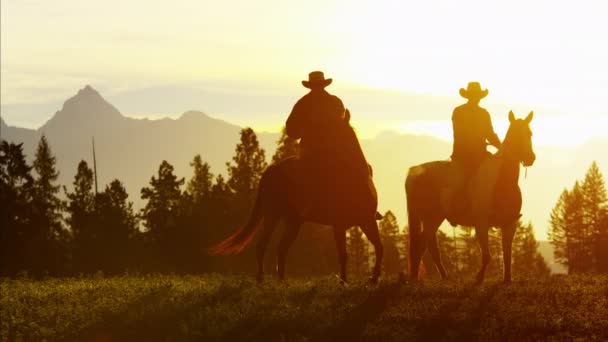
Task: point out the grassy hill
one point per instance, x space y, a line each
234 308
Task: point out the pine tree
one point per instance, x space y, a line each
602 243
527 261
161 214
558 230
358 252
249 162
81 220
197 220
199 186
47 248
117 229
595 202
286 147
389 234
15 200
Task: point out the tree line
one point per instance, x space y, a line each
46 229
579 225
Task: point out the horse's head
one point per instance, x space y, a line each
518 141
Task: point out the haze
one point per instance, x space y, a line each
546 56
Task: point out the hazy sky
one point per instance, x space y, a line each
549 56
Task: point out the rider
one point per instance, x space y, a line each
472 127
328 147
315 117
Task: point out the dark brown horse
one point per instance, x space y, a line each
494 193
278 199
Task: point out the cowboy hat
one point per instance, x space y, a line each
316 78
473 91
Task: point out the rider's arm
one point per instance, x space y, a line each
293 126
490 134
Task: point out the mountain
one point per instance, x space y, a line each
131 150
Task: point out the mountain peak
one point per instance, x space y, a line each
86 106
87 95
87 90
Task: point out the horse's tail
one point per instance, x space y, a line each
240 239
414 220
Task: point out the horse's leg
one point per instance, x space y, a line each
270 223
371 232
418 242
340 239
507 241
292 227
430 230
481 233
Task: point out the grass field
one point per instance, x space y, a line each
234 308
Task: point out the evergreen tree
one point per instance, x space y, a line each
15 200
577 229
199 186
286 147
558 229
249 162
389 234
47 247
602 244
116 229
595 203
161 215
526 259
580 259
358 252
198 218
81 220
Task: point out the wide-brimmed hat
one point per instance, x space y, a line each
473 91
316 78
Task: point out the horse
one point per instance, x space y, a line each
495 200
277 200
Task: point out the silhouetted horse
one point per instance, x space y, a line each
494 193
279 199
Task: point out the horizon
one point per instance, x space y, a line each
436 128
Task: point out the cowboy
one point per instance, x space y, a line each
335 176
472 126
473 129
314 117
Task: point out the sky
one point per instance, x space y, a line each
546 56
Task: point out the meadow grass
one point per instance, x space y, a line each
235 308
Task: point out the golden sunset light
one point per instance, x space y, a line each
320 170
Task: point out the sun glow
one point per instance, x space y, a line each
560 131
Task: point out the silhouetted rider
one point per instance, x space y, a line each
336 177
472 128
314 118
472 131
